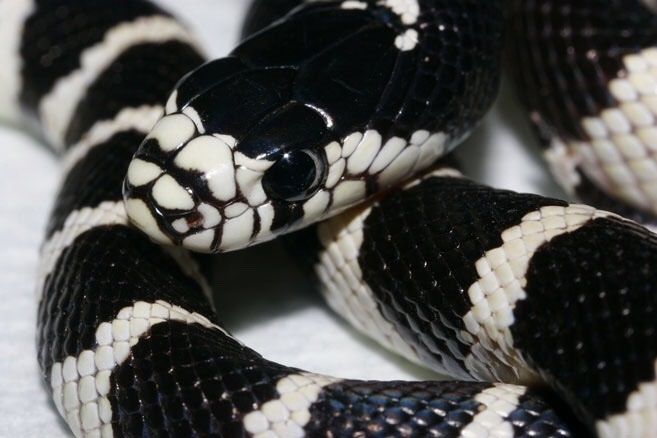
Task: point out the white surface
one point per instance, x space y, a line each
275 313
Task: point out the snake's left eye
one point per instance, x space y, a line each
296 176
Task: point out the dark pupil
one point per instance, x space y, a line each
292 178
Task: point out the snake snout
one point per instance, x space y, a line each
180 184
158 204
169 216
171 208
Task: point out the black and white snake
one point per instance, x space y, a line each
336 104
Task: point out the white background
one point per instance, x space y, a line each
261 298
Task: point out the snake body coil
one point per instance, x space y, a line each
333 103
587 77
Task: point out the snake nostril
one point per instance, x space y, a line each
195 220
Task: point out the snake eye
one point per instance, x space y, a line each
297 176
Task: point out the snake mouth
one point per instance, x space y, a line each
183 224
194 189
194 229
173 219
172 213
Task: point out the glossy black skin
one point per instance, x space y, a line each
262 13
438 260
563 55
183 379
574 48
600 277
325 72
59 48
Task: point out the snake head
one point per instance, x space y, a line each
230 167
242 156
211 193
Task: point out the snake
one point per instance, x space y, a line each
599 143
331 124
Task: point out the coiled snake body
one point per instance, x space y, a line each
336 103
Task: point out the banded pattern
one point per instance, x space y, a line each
452 274
588 79
127 338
